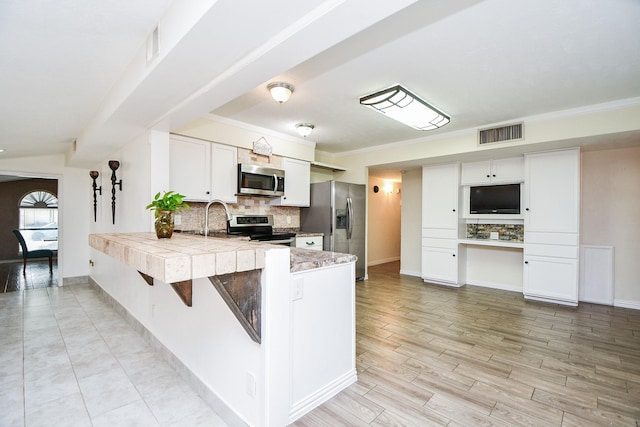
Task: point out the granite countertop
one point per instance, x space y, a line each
188 256
308 234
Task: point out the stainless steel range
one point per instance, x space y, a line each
259 228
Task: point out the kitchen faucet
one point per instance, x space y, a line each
206 214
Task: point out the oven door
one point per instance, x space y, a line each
260 181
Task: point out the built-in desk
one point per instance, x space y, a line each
491 242
491 263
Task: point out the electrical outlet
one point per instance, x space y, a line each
251 384
177 219
288 219
494 235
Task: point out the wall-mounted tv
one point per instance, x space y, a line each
495 199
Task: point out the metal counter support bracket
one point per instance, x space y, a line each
184 290
146 278
242 292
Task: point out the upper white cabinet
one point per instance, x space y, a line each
224 173
552 192
190 167
440 196
297 183
202 170
498 171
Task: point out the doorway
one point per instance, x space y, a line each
17 190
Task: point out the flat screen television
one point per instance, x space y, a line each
495 199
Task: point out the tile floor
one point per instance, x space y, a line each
37 275
68 359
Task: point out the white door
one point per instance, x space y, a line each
440 264
440 196
552 189
224 173
190 168
551 278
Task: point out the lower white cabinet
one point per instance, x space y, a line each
551 279
314 242
440 265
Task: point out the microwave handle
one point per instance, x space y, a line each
275 182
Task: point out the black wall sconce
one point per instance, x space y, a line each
94 175
114 165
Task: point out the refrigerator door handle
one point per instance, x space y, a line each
349 218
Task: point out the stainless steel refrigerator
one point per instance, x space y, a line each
337 209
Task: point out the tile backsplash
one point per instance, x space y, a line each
193 219
506 232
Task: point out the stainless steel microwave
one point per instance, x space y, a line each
255 180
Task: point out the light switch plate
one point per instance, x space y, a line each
494 235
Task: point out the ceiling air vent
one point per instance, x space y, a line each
500 134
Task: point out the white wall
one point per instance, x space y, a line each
383 237
411 223
610 214
75 205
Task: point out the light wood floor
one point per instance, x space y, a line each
431 355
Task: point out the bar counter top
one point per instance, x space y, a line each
188 256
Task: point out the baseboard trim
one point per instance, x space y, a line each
383 261
635 305
76 280
319 397
500 286
411 273
217 404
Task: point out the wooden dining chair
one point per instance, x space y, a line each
38 253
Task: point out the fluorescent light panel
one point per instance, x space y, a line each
399 104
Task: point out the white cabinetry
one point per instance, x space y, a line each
440 223
551 223
297 183
202 170
500 171
189 167
313 242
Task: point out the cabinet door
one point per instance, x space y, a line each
314 243
440 196
297 183
476 173
509 170
440 264
552 189
190 168
551 278
224 173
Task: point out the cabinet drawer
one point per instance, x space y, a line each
314 242
554 251
440 233
569 239
439 243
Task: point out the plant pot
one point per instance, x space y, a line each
164 224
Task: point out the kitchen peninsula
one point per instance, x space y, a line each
303 351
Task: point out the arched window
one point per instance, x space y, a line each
39 220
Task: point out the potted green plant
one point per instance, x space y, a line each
165 206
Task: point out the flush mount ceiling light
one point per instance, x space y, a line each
399 104
280 91
304 129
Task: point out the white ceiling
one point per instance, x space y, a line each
67 66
